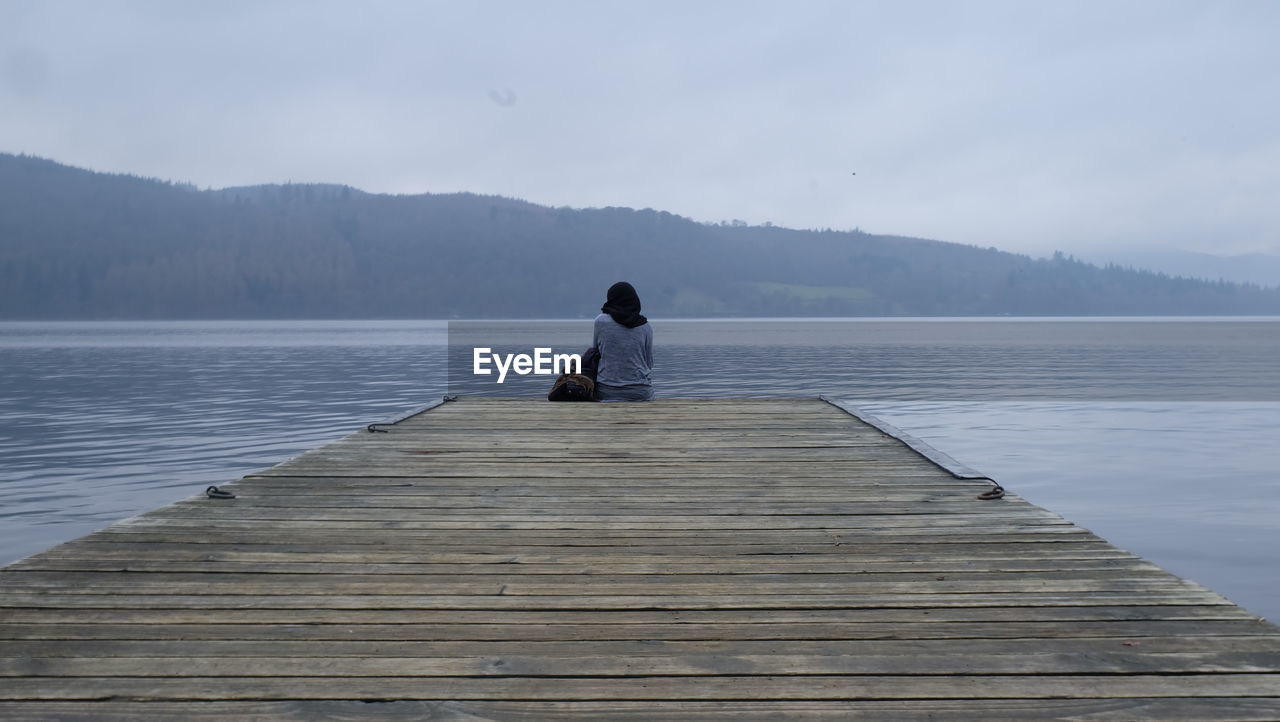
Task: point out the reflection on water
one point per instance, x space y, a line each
1157 434
1192 486
108 420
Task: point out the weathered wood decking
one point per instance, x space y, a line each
494 559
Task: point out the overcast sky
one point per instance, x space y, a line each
1029 126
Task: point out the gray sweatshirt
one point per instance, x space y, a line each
626 356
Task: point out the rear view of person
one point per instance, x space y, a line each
625 341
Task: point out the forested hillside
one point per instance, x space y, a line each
78 244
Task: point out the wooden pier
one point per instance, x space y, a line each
683 559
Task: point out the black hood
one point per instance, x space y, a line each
623 305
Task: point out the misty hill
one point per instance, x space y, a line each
1261 269
79 244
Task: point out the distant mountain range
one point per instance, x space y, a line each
75 244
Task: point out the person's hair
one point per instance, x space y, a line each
622 303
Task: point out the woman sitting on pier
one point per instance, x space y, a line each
625 341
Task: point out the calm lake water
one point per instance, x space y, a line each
1158 434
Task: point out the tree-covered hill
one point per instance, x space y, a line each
78 244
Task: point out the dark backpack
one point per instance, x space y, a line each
578 387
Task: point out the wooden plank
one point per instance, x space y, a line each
870 582
512 547
675 512
641 541
918 524
685 663
417 507
544 586
891 651
909 620
788 687
149 625
506 602
1168 709
618 566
